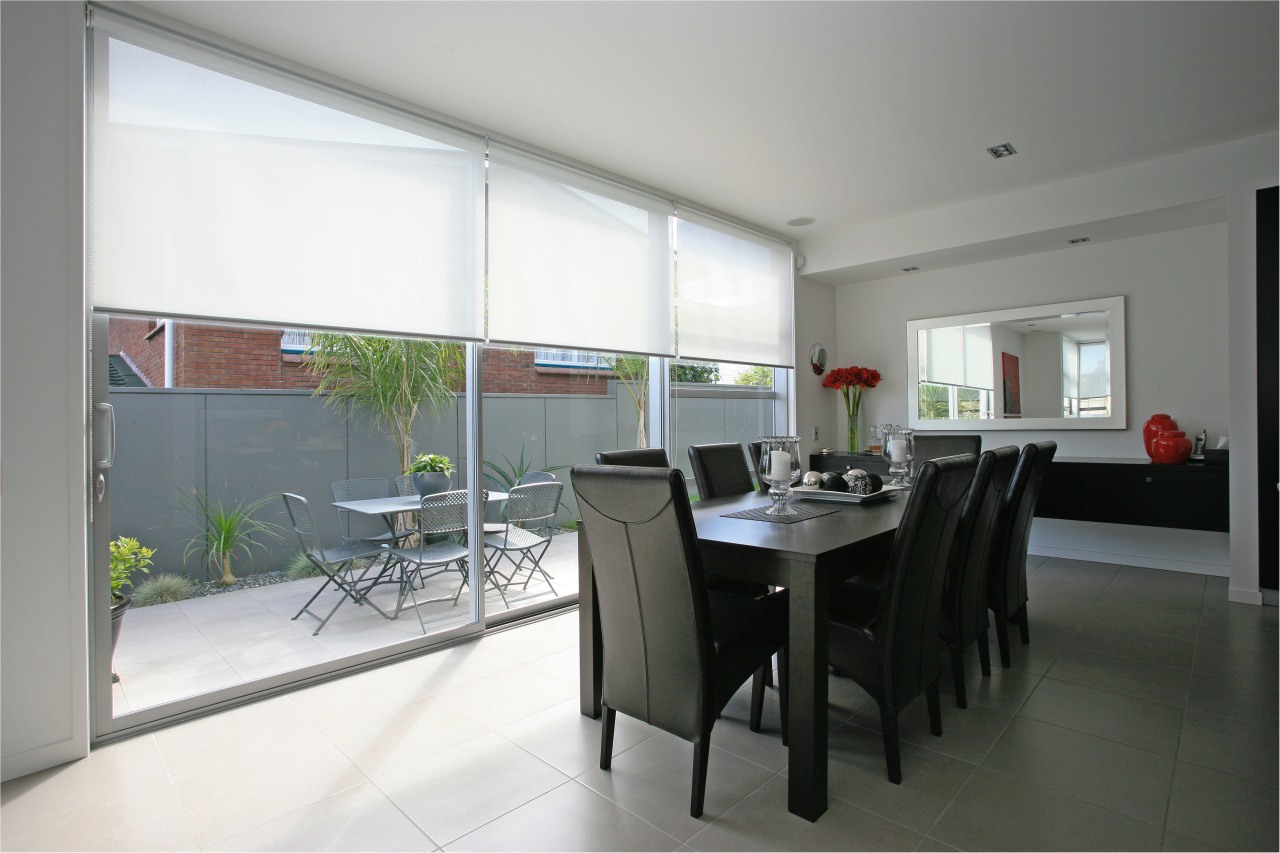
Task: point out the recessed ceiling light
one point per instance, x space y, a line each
911 269
1078 240
802 221
1004 150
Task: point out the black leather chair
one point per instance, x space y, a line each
644 457
931 446
1007 584
755 449
720 470
674 652
888 642
964 593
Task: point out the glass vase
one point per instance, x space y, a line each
779 467
899 449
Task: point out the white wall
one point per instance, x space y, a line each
43 647
815 323
1176 335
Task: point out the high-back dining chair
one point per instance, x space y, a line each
720 470
642 457
674 652
963 617
755 449
888 642
935 446
1007 584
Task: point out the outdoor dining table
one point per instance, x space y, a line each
806 557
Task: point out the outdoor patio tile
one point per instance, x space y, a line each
110 774
570 817
361 818
386 739
462 789
761 821
570 742
652 779
223 800
233 736
150 820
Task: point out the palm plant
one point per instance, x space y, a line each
505 477
389 379
225 529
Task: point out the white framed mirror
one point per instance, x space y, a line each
1059 366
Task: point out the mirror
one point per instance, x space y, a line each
818 358
1043 367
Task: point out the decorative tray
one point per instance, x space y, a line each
813 493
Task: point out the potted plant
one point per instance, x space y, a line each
127 556
432 473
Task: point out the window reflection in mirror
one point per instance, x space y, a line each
1048 366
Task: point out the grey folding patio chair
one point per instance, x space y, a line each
529 525
441 548
337 564
356 528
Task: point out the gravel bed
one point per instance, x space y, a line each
247 582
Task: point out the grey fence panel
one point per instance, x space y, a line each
160 455
246 445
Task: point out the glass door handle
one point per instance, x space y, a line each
109 412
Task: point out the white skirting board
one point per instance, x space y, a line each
1196 551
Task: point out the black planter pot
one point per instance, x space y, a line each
118 607
431 483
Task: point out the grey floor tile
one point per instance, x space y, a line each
1229 811
1122 778
856 774
1148 648
1177 620
966 734
1148 725
1235 746
570 742
998 812
1123 675
1245 700
1175 842
933 844
761 822
1004 690
570 817
653 780
1251 662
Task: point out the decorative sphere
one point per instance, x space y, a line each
876 483
859 481
812 479
833 482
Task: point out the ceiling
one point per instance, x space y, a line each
848 112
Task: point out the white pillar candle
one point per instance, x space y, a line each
898 450
780 465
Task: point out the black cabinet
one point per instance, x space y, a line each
840 462
1137 491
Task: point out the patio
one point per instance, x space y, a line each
182 649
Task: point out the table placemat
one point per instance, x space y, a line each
800 514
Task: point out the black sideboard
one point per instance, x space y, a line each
1137 491
1114 491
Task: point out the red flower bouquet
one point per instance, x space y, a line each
851 381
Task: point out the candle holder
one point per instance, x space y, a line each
899 450
779 467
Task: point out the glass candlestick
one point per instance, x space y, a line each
779 467
899 450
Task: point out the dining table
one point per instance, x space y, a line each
806 557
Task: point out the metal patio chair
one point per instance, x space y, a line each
529 526
337 564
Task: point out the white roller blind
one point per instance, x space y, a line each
735 294
576 262
225 198
957 355
978 360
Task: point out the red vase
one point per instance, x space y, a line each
1171 447
1152 428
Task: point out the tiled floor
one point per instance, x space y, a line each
187 648
1143 716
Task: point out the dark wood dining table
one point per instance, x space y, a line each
806 557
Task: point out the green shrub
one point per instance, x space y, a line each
127 557
162 589
298 567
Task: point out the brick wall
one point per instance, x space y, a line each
228 357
